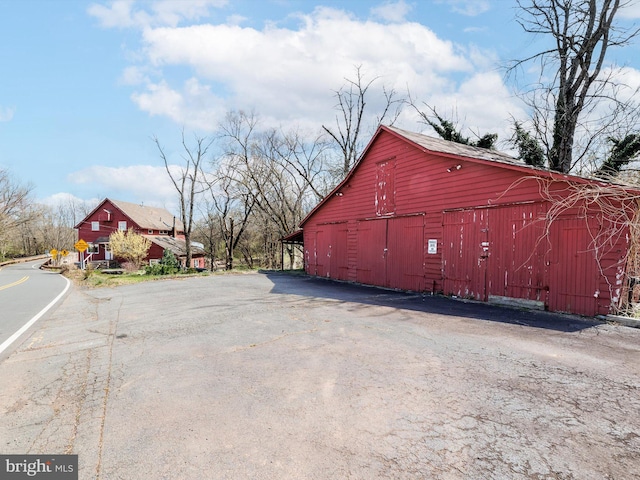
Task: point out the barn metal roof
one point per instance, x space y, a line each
445 146
175 245
295 237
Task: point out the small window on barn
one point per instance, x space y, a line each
386 187
150 231
95 226
122 225
163 232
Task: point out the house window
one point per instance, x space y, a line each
95 226
150 231
93 248
122 225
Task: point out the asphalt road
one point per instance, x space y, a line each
25 291
287 377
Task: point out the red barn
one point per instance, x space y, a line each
162 228
423 214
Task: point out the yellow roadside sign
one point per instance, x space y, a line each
81 245
53 252
64 253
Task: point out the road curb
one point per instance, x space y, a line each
626 321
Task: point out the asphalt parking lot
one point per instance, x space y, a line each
276 376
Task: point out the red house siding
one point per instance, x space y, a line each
108 217
108 223
487 222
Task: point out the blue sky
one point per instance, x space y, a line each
85 85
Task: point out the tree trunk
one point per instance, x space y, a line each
229 247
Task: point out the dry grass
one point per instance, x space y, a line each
97 279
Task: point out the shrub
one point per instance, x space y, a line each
160 269
169 259
130 246
168 265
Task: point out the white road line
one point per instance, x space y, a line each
26 326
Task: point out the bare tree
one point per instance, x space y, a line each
207 232
282 174
53 225
352 114
577 93
15 211
229 209
189 182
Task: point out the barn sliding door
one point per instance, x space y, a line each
508 253
465 251
497 252
405 253
371 261
330 249
390 252
517 247
573 270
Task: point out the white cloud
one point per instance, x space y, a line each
6 113
476 30
629 82
470 8
147 183
631 11
395 12
64 199
193 106
476 104
289 74
124 14
236 20
134 75
118 14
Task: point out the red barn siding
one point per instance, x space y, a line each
487 222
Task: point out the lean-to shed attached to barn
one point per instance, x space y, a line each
423 214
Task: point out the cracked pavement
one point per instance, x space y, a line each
287 377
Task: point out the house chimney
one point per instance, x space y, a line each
173 230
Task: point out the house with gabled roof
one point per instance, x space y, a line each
163 229
424 214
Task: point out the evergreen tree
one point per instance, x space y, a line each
529 149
